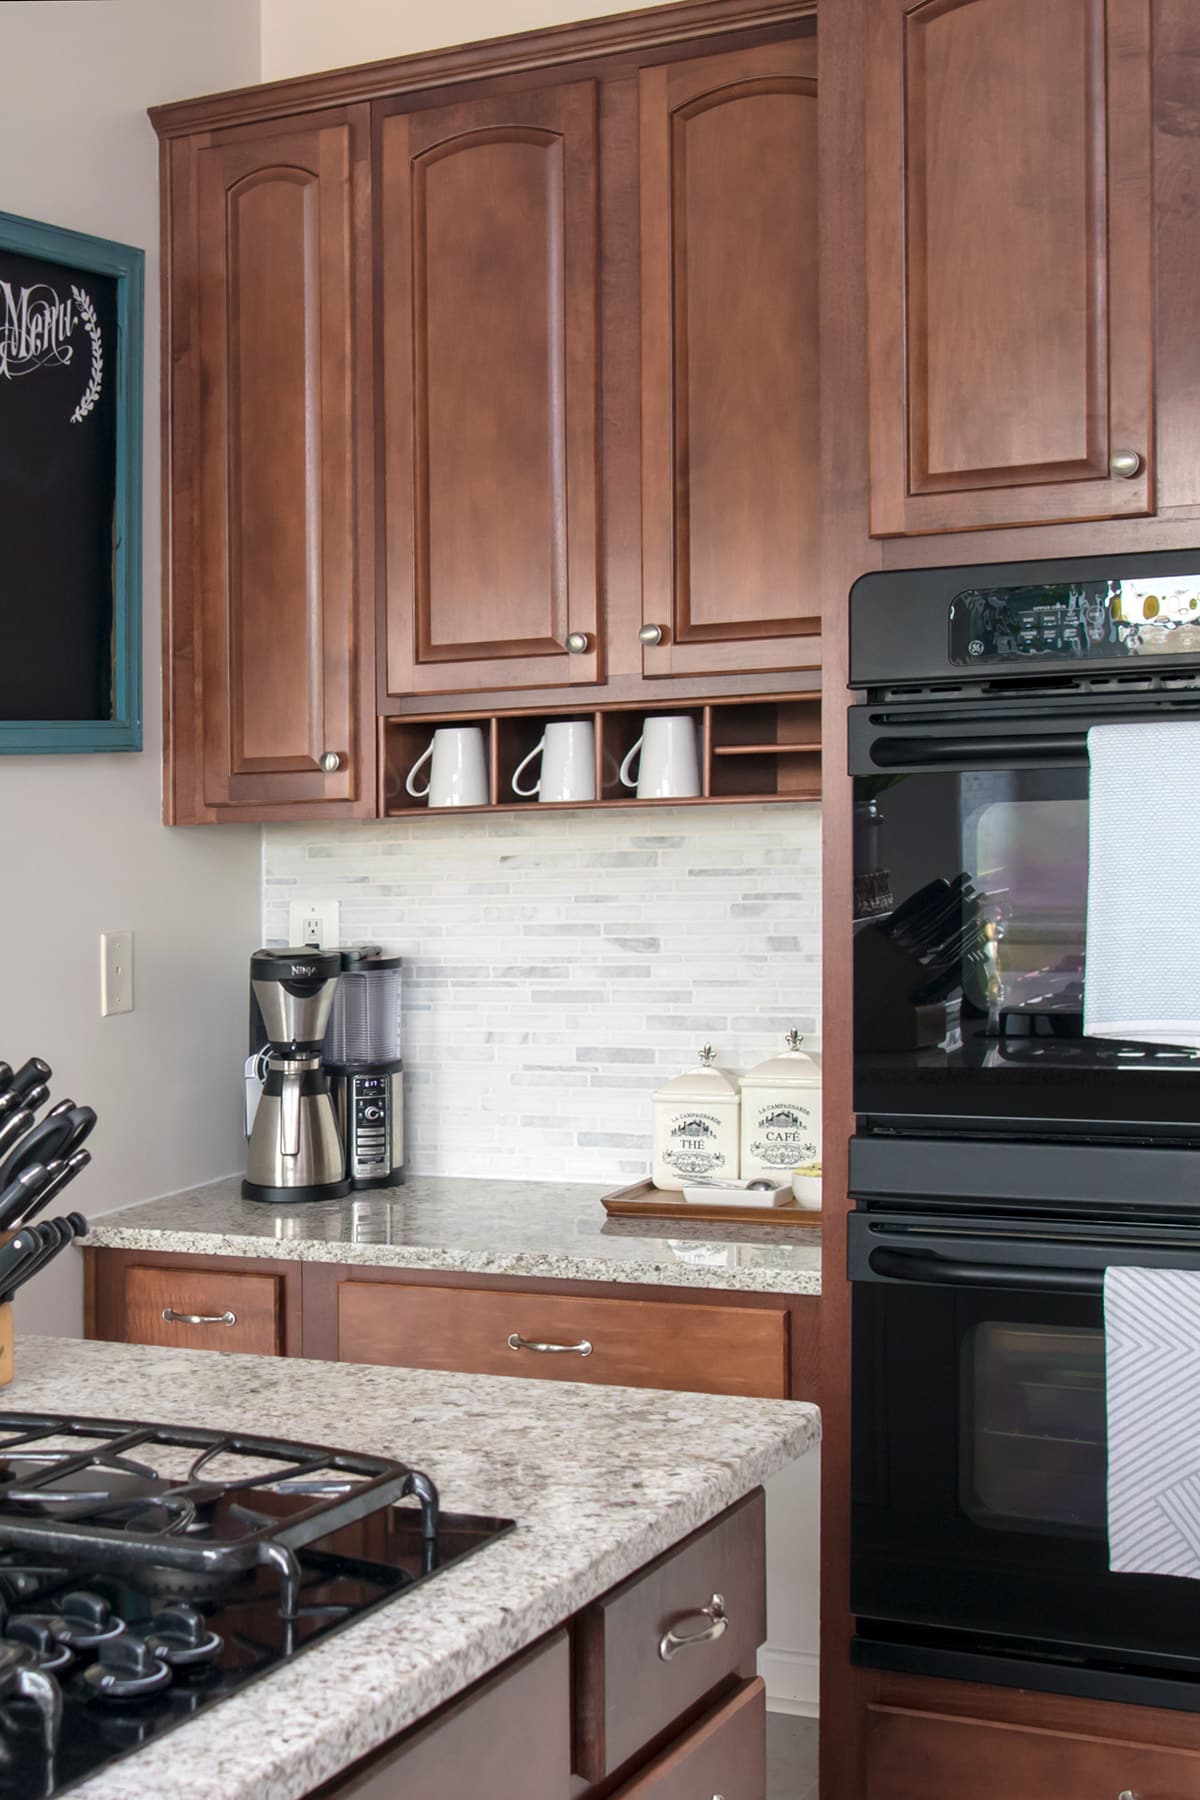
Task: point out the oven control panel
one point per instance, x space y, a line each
1088 621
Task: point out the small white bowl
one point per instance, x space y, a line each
807 1190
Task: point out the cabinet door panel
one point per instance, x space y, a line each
730 473
277 569
490 373
1008 246
912 1755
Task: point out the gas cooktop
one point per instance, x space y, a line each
149 1571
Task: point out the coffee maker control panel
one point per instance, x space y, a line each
375 1134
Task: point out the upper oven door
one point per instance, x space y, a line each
978 1482
970 883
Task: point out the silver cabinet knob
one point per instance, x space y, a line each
651 634
517 1342
579 643
1127 1794
1124 464
331 762
672 1642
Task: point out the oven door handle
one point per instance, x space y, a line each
887 751
928 1266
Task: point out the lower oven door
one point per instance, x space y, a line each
978 1514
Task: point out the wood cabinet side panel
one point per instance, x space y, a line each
508 1737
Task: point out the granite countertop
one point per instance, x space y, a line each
556 1230
600 1481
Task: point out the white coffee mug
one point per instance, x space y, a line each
458 775
669 759
567 748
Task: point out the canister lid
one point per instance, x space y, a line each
792 1067
704 1082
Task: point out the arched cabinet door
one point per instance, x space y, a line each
267 655
1009 262
730 393
488 233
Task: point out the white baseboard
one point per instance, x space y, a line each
793 1681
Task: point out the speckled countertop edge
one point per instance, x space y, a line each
643 1469
452 1217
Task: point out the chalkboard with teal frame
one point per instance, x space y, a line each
70 491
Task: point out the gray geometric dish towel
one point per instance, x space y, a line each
1152 1354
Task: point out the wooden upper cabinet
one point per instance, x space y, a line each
1009 262
488 237
266 240
730 428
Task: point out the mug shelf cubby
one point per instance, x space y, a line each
768 749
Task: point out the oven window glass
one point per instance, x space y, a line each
1032 1430
1030 860
969 970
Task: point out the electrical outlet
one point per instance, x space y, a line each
313 922
116 972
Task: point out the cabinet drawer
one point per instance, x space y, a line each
726 1754
911 1755
633 1343
630 1680
481 1743
201 1309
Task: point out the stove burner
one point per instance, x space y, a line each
139 1586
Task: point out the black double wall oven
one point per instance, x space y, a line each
1001 1158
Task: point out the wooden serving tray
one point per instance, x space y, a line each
644 1201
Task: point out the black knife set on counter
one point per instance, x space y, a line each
38 1157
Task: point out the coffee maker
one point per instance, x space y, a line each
295 1150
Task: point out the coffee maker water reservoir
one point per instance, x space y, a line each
362 1054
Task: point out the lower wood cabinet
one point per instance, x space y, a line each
671 1635
597 1711
724 1754
701 1347
199 1309
919 1755
765 1345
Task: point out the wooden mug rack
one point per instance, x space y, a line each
758 749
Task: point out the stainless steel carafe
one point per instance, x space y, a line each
296 1151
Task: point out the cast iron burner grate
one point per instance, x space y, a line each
120 1498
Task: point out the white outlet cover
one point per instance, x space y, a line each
116 972
313 921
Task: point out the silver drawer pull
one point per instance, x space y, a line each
672 1642
176 1318
517 1342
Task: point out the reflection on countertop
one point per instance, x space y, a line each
555 1230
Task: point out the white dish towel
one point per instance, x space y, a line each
1152 1355
1142 972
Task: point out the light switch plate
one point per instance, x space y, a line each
116 972
313 922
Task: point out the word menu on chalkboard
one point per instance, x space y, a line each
70 495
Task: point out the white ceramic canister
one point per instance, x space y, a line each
696 1126
781 1114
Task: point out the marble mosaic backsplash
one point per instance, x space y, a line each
560 966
